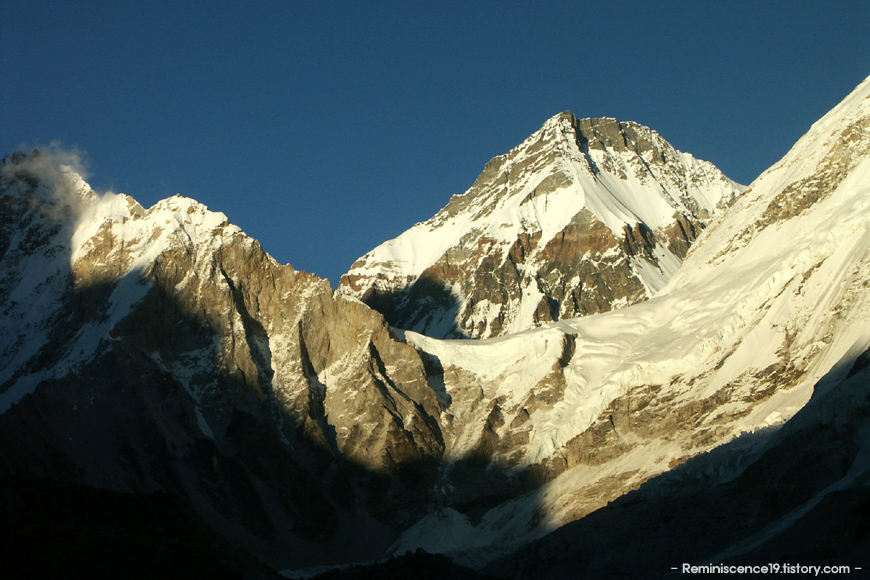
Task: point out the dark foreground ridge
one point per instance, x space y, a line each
61 530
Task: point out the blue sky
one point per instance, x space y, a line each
325 128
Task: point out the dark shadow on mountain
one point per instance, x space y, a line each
266 490
268 487
258 481
61 530
701 511
412 566
425 306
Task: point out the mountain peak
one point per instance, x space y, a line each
583 216
559 119
606 133
171 353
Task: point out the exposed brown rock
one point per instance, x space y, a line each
488 285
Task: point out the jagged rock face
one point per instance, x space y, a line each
811 472
164 349
759 341
583 217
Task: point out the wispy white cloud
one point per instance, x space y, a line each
56 174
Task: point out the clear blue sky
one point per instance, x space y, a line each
324 128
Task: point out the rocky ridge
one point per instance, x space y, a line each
759 340
163 350
585 216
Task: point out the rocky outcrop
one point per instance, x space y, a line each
799 502
163 349
585 216
751 364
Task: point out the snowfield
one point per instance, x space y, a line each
758 304
163 349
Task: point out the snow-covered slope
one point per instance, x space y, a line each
770 309
163 349
584 216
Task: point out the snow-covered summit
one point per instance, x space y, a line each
162 349
766 326
60 236
583 216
